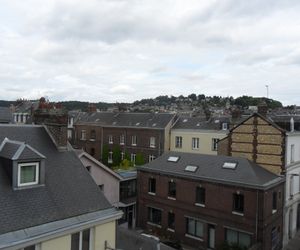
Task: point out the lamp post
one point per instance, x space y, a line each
267 86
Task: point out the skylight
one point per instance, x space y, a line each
185 120
191 168
137 124
173 158
229 165
154 124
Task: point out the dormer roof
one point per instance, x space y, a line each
16 150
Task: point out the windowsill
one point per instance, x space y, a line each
199 205
110 143
92 139
109 162
195 148
152 146
151 193
237 213
122 144
193 237
153 224
171 198
171 230
178 147
133 145
274 211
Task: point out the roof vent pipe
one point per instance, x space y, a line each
292 124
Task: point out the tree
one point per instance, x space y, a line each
105 154
139 159
116 155
193 97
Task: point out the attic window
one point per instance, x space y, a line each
154 124
173 158
137 124
114 123
229 165
191 168
28 174
185 120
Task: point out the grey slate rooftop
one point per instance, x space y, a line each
195 123
137 120
5 115
210 168
69 190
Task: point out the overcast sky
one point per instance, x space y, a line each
123 50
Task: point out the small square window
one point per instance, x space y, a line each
28 174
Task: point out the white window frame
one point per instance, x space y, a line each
195 143
83 135
179 140
91 239
151 158
122 139
214 146
110 139
152 142
122 156
110 157
132 158
20 165
224 126
133 140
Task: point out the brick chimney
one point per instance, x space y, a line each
92 108
236 113
55 120
262 108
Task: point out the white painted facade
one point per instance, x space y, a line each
291 220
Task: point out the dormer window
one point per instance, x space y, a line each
28 174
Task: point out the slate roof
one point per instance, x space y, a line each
195 123
247 173
68 191
137 120
5 115
15 150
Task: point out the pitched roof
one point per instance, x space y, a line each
5 115
15 150
196 123
69 190
137 120
210 168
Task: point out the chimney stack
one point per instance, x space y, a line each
263 108
92 108
55 120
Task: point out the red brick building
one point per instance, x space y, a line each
133 133
204 200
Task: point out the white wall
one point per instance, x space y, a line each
102 177
293 138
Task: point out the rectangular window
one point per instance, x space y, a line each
152 185
122 156
93 135
224 126
122 139
171 220
274 202
127 189
110 157
152 142
151 158
110 139
238 203
236 237
214 144
194 227
200 195
133 156
172 189
133 140
28 174
154 215
178 142
83 135
195 143
81 240
292 153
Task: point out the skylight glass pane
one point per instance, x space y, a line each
173 158
229 165
190 168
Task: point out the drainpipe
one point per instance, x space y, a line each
256 219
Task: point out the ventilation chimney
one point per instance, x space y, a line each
262 108
55 119
292 125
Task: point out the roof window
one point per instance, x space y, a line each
185 120
154 124
173 158
137 124
190 168
229 165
